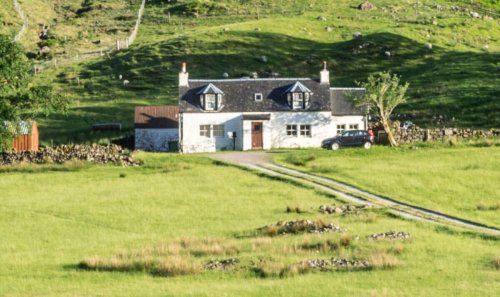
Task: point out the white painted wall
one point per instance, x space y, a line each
347 120
192 142
155 139
321 128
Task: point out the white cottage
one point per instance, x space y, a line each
262 113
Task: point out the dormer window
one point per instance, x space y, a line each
258 96
211 98
299 96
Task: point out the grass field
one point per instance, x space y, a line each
457 77
460 180
53 217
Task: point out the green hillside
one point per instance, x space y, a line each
458 77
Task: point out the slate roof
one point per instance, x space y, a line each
340 105
156 117
239 94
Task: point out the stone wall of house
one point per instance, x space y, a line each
417 134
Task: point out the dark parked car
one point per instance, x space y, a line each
348 138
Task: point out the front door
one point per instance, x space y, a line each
256 135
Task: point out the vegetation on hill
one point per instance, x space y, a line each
447 55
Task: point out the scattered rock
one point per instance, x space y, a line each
220 264
342 209
428 46
335 263
366 6
225 75
475 15
389 235
328 29
357 35
126 82
300 226
321 18
387 53
226 29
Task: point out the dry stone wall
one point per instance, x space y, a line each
101 154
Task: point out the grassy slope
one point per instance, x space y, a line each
46 230
106 23
9 20
458 77
454 181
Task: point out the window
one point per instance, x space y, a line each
218 130
353 126
291 130
258 96
305 130
340 128
210 102
205 130
298 100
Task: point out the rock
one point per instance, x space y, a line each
321 18
475 14
366 6
328 29
126 82
226 29
387 53
263 59
220 264
428 46
487 18
389 235
225 75
335 263
357 35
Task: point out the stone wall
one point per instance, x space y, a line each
417 134
102 154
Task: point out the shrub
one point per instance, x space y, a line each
299 160
123 175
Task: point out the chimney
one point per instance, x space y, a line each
324 75
183 76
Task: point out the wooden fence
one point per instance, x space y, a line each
125 43
27 142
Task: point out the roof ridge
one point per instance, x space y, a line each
254 79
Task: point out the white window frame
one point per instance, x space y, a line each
353 126
291 130
205 131
209 100
305 130
217 131
298 101
258 97
340 128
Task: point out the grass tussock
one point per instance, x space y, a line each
175 266
260 243
294 209
382 260
274 269
299 159
495 262
484 207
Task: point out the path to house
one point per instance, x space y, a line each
261 161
